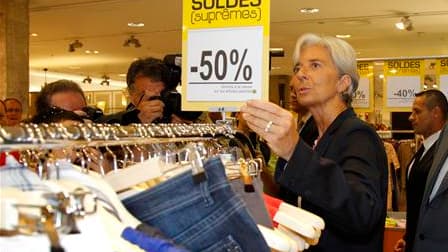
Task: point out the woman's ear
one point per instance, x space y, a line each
344 83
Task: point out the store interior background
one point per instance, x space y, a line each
102 26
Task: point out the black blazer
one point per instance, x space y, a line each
344 180
415 186
432 227
308 133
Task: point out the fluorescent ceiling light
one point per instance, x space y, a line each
34 34
136 24
343 36
309 10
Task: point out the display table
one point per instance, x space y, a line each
393 234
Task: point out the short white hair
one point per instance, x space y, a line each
342 54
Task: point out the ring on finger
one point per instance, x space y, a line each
268 126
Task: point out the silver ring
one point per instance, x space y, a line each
268 126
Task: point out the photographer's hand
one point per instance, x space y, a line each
150 110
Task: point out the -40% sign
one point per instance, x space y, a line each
218 65
405 93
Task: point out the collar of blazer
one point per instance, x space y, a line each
323 143
440 155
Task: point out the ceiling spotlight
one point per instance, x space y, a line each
87 80
405 24
132 41
276 52
105 81
75 44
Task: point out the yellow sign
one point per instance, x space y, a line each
442 73
404 67
363 97
443 66
225 13
225 53
403 79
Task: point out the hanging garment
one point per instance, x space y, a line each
206 216
254 201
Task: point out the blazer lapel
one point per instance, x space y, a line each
439 158
324 142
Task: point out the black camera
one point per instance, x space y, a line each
92 113
170 97
172 100
173 62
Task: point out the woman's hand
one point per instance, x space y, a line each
274 124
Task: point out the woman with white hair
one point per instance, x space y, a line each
343 176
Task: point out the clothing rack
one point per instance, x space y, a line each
387 134
56 135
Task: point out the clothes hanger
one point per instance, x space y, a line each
277 241
124 179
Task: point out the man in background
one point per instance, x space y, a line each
146 79
432 225
428 117
13 111
64 95
2 113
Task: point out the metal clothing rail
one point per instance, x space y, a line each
48 136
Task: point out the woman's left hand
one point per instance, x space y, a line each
274 124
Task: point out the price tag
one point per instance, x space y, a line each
225 53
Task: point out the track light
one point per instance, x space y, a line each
75 44
405 24
132 41
87 80
105 81
276 52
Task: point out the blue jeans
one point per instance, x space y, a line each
207 217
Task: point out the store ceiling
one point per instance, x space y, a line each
102 25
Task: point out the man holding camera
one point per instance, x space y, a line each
147 80
64 95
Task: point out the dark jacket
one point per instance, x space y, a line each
415 186
432 225
344 180
130 115
308 133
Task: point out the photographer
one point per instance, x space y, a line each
63 101
146 79
65 95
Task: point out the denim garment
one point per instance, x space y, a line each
206 217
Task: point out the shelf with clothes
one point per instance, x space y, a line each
51 166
